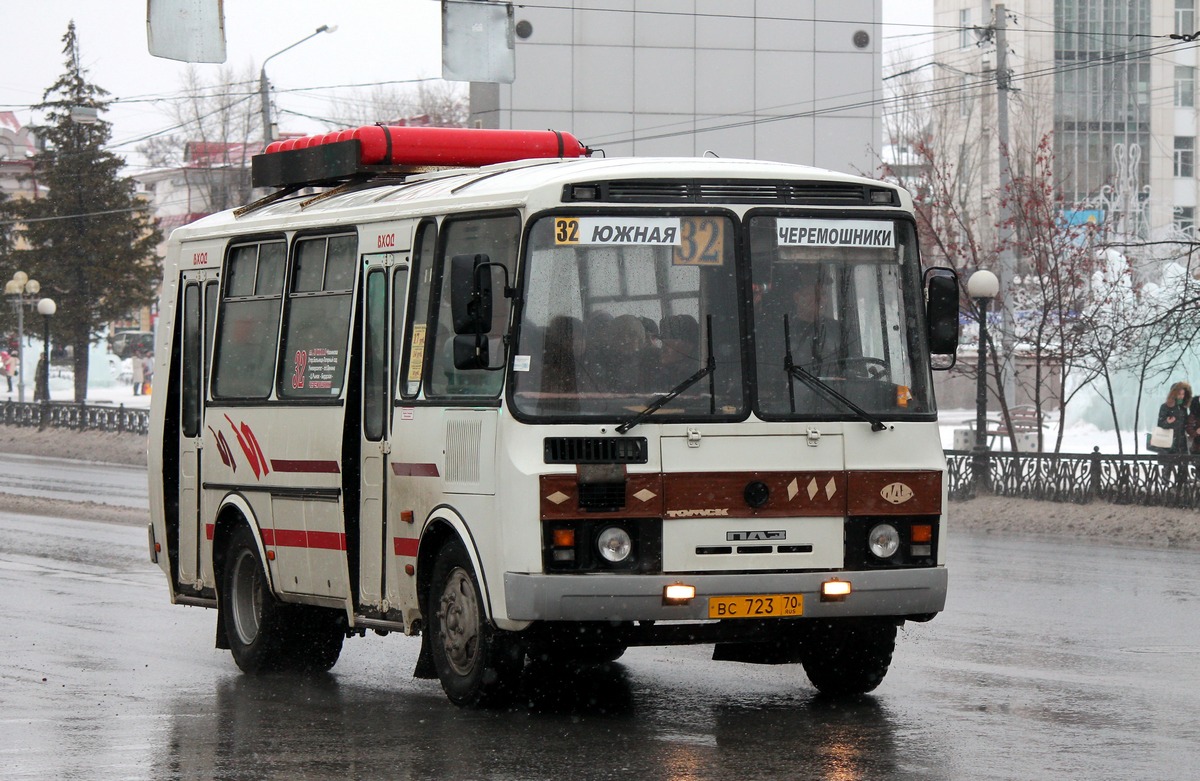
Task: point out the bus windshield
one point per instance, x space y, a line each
625 313
622 311
835 303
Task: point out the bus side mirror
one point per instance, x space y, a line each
941 310
471 352
471 295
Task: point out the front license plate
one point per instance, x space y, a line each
756 606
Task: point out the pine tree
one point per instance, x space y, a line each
92 243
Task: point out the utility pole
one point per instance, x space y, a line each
1007 258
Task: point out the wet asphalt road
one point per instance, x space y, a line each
75 481
1053 661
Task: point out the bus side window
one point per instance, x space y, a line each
422 279
317 319
245 345
496 237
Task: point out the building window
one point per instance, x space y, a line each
1185 86
1184 219
1185 17
1185 156
966 34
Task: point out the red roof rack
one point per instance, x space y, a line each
346 155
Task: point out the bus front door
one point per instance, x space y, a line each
384 296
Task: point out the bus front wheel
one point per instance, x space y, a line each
477 664
849 656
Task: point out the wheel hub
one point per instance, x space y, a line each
459 616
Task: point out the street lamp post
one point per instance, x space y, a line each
19 291
46 308
982 287
264 86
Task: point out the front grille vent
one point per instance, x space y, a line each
730 191
594 450
601 497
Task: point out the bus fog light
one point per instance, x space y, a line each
884 540
678 594
922 550
835 590
614 544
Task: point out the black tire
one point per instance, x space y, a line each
314 638
559 651
253 618
266 635
849 656
477 664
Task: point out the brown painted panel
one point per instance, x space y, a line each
895 493
560 497
723 494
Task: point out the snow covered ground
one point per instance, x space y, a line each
1078 437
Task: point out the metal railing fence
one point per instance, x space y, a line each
1151 480
80 417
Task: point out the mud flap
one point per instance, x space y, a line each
222 638
782 651
425 668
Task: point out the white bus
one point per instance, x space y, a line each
547 409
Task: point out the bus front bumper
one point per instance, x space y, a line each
620 597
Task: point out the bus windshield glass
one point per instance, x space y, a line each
622 311
835 309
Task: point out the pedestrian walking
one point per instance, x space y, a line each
147 373
1173 415
139 373
6 366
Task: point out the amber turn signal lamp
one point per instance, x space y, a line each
922 532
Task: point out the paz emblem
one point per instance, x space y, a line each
896 493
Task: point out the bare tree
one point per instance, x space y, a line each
219 131
429 102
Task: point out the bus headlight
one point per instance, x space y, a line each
884 540
614 544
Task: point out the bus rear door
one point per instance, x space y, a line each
198 313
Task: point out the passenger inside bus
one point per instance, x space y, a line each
563 374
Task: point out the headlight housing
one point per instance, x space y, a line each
614 544
883 540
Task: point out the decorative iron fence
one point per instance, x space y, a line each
1166 481
81 417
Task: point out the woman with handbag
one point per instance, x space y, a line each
1173 415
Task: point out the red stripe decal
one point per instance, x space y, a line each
416 470
406 546
304 465
298 538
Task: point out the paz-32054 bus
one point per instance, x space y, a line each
480 387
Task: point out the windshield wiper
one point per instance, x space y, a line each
709 371
819 385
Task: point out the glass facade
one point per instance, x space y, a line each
1102 90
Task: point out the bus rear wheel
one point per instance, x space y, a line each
849 656
477 664
252 616
264 634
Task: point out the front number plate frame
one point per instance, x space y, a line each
756 606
